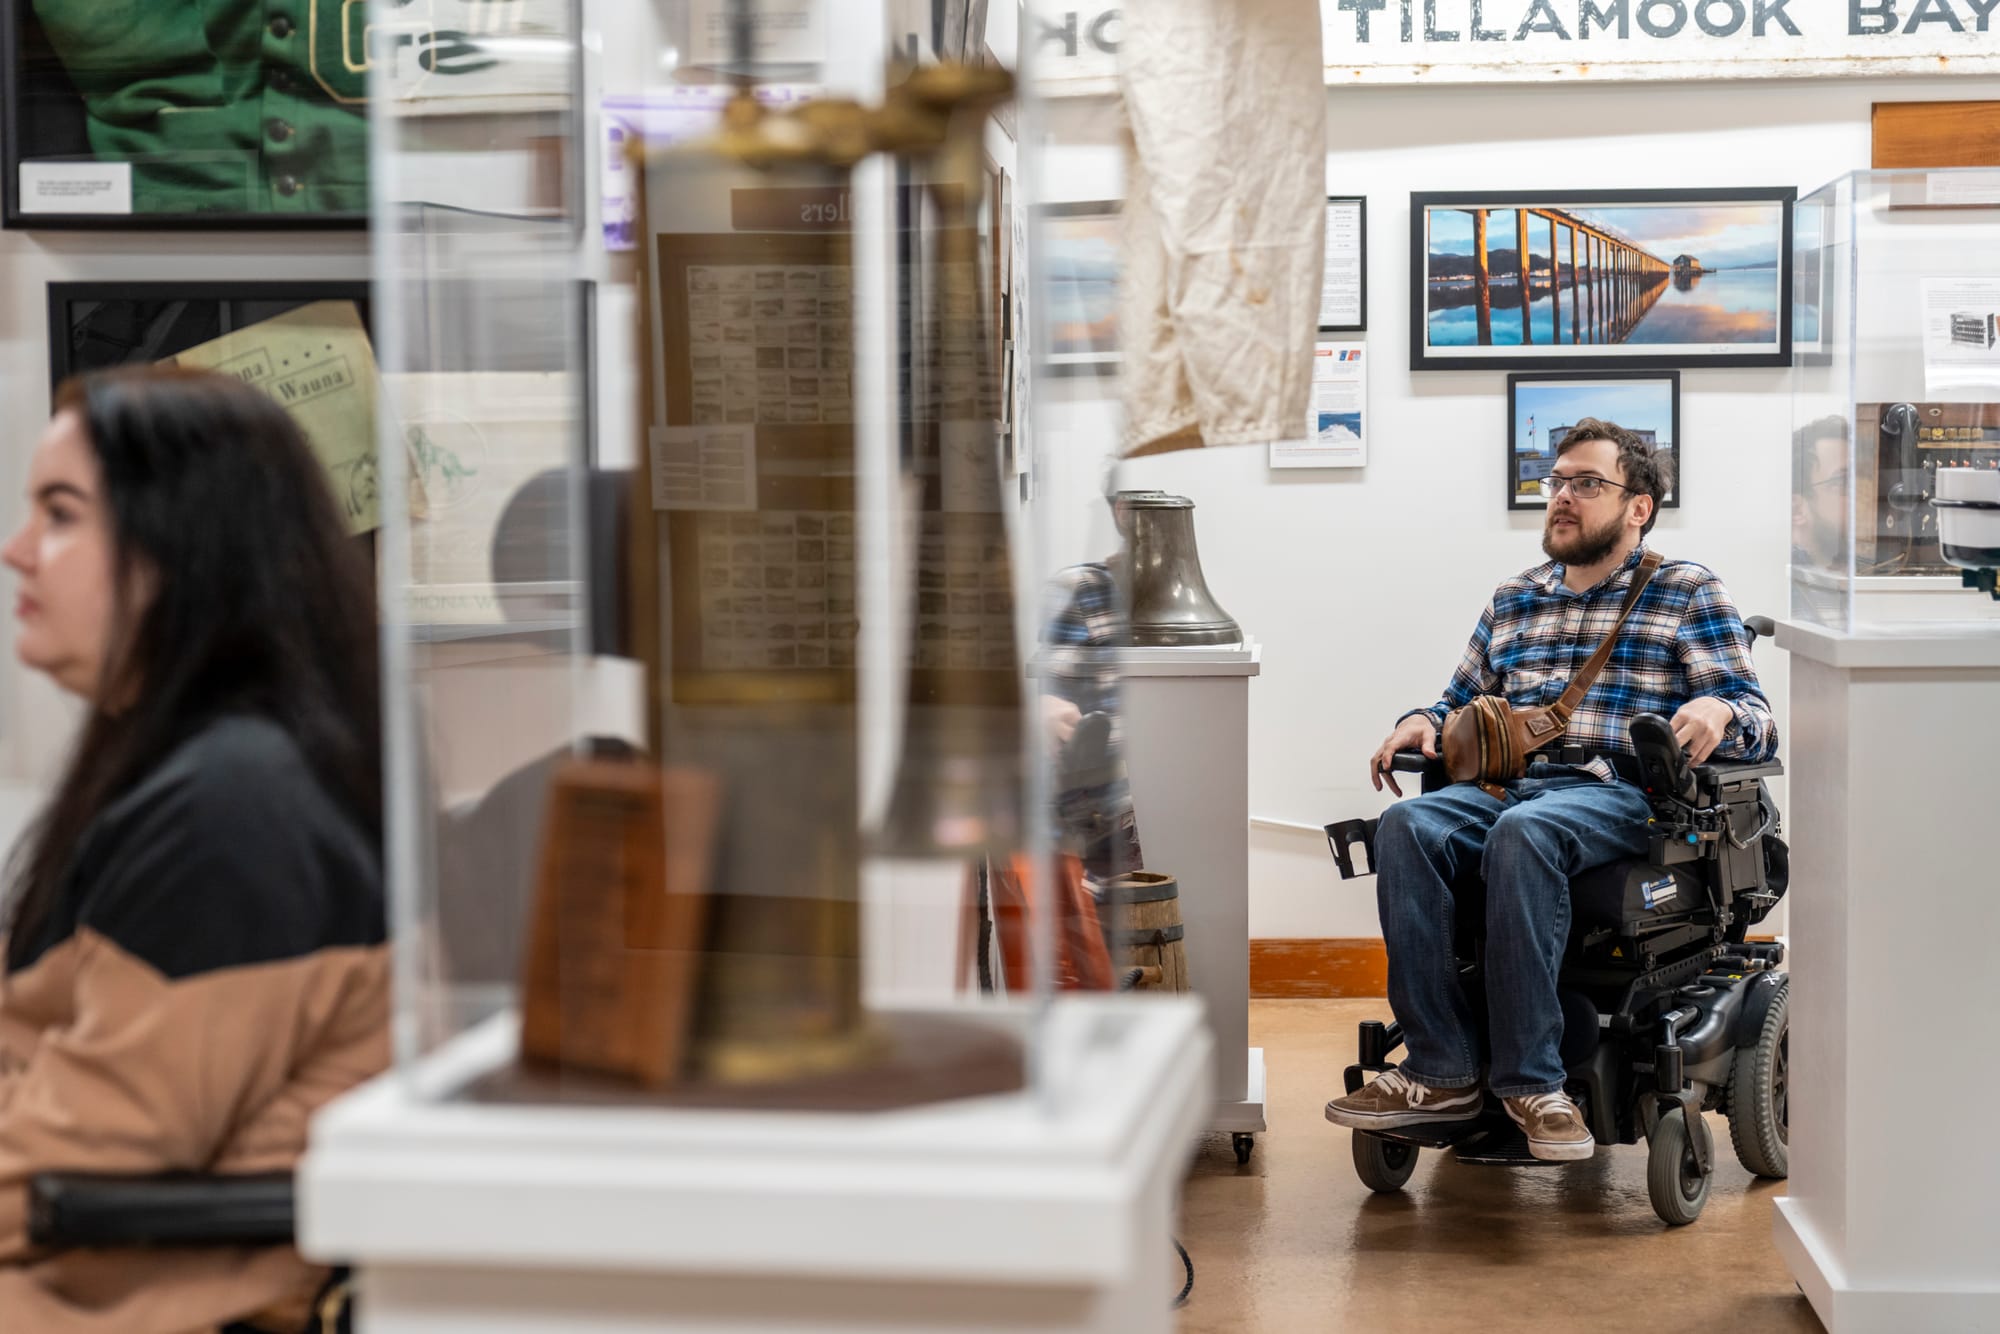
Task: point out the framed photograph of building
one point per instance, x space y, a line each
1079 248
1637 279
1542 406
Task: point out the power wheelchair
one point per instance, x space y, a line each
1669 1009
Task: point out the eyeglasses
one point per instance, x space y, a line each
1585 488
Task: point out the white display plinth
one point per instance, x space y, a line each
1889 1222
1048 1209
1187 748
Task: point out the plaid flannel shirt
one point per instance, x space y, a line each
1683 641
1081 633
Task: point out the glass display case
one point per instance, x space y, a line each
711 574
1896 398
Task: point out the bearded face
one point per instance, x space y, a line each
1569 536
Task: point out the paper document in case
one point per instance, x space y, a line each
1961 335
317 364
488 448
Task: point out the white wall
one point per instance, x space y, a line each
1363 585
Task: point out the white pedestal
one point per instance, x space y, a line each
1048 1210
1187 747
1890 1223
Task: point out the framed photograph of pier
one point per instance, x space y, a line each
1542 406
1572 280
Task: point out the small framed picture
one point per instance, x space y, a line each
1542 406
1079 250
1343 291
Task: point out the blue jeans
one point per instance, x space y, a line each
1551 825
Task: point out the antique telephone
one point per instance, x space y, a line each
1918 445
1906 481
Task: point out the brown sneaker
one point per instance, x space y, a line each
1554 1126
1397 1100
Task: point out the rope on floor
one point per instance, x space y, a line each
1188 1287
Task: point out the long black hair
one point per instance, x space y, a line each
238 589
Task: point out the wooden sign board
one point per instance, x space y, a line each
620 906
1936 134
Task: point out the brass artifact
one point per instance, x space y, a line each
1171 604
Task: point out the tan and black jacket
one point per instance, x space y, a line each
214 973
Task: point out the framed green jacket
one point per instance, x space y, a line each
223 106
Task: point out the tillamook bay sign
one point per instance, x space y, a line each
1485 41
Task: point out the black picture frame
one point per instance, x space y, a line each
1622 301
38 83
236 305
1361 203
1524 387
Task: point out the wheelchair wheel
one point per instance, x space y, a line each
1383 1166
1759 1094
1674 1179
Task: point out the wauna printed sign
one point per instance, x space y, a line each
1483 41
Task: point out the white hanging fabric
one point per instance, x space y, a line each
1224 220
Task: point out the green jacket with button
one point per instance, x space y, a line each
223 106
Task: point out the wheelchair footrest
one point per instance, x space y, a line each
1437 1135
1489 1141
1501 1146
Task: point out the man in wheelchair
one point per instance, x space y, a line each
1589 800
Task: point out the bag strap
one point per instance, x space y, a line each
1581 683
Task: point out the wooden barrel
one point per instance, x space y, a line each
1146 931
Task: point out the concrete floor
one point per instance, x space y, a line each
1294 1243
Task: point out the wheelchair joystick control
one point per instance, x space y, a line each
1662 764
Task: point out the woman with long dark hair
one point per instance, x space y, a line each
195 955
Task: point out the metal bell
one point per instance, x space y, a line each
1171 604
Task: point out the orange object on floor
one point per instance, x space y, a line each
1082 962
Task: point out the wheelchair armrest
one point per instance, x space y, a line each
1731 771
81 1209
1715 780
1416 762
1411 762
